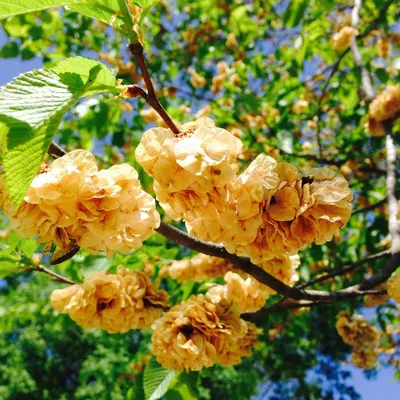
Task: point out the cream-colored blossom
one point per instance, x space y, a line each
393 287
342 39
116 303
384 107
231 41
247 293
236 348
198 268
383 46
364 357
196 80
73 202
191 334
355 330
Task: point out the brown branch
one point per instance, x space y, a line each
56 151
347 267
393 208
290 305
54 275
370 207
365 77
253 270
136 50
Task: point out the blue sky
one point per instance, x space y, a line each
383 387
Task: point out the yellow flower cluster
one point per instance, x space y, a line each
199 333
393 287
278 212
115 302
248 294
198 268
362 336
72 201
342 39
196 80
383 46
384 107
268 211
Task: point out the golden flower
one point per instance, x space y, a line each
300 107
98 210
364 357
342 39
196 80
236 348
393 287
355 330
190 335
384 107
283 267
222 67
247 293
199 268
201 156
231 41
116 303
217 83
383 46
150 115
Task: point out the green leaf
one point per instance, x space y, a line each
103 10
31 109
7 266
156 380
294 13
15 7
104 81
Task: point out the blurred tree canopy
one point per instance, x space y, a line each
268 72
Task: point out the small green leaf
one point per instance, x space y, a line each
294 13
15 7
31 109
9 50
7 266
156 380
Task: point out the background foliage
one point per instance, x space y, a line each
282 55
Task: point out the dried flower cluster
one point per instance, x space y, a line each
198 268
199 333
72 201
267 211
385 106
115 302
362 336
342 39
393 287
248 294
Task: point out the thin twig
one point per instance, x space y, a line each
136 50
347 267
54 275
370 207
289 305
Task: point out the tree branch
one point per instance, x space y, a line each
54 275
136 50
370 207
393 209
253 270
365 77
347 267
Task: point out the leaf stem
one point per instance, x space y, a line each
123 6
